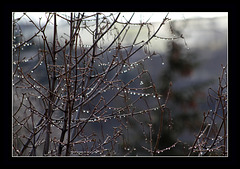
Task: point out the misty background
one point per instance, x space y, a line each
192 64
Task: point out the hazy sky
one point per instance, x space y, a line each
158 16
143 16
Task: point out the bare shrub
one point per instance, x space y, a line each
213 136
72 98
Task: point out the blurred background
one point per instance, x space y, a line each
192 64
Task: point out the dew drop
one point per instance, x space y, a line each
163 63
141 83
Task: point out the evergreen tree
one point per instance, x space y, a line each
182 113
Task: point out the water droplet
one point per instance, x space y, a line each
163 63
141 83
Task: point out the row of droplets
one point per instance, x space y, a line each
109 117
